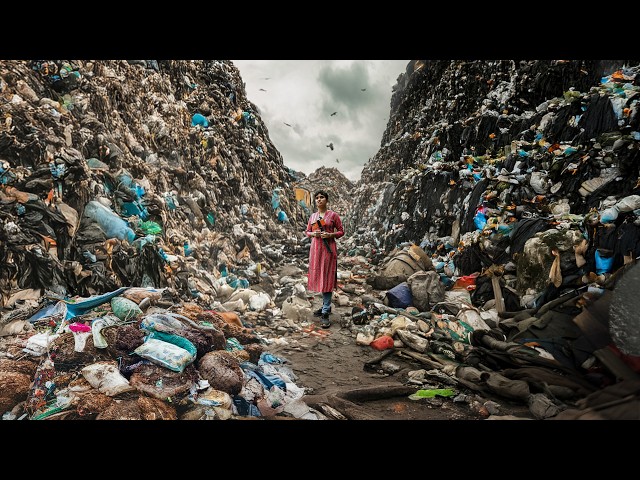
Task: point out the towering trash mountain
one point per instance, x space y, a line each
112 168
114 172
505 135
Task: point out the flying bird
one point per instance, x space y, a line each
333 114
286 124
362 89
330 145
337 161
262 90
266 78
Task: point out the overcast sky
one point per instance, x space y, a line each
305 94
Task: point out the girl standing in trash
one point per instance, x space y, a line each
324 227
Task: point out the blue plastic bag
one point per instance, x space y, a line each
603 264
109 221
480 220
199 119
400 296
282 216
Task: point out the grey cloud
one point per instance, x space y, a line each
304 93
343 87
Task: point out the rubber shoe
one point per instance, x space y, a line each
325 322
318 312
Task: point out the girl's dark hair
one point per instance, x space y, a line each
321 192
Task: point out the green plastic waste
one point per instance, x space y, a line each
125 309
432 392
150 228
177 340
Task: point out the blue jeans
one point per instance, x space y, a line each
326 301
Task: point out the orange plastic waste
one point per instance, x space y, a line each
383 342
467 282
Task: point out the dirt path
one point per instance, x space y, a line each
330 366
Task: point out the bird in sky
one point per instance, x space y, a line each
333 114
362 89
337 161
286 124
262 90
330 145
266 78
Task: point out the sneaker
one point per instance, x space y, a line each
325 322
318 312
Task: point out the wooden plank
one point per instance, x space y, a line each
594 321
615 364
497 293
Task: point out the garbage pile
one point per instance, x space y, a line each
524 192
152 249
122 173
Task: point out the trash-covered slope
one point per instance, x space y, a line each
514 136
333 182
504 303
149 154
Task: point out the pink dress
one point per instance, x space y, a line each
323 266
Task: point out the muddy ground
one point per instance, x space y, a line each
344 380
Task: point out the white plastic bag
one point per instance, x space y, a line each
259 302
165 354
38 344
106 377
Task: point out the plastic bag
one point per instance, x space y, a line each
282 216
432 392
175 340
106 377
125 309
466 281
165 354
604 264
99 340
480 220
112 225
382 343
199 119
259 302
165 322
609 215
400 296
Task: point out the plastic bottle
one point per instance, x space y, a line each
112 225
